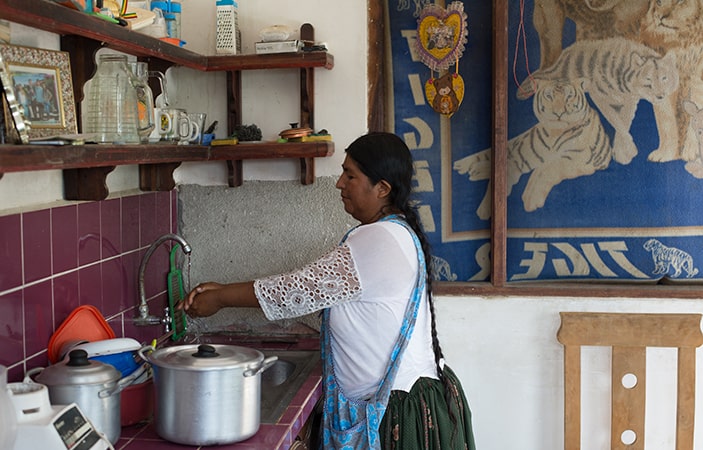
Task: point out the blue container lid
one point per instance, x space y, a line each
175 7
163 6
226 3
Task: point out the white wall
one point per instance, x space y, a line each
506 352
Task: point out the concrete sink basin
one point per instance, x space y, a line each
280 382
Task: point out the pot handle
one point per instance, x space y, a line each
268 362
146 348
30 373
117 388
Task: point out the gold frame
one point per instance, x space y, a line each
28 63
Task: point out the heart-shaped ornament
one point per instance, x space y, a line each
441 35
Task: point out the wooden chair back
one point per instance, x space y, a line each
629 335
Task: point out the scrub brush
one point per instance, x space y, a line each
175 295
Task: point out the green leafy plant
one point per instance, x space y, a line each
247 132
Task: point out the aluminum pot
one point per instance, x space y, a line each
207 394
94 386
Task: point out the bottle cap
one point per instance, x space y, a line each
163 6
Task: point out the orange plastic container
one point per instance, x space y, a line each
85 323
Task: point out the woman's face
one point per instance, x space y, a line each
362 199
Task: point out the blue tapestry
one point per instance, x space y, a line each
604 169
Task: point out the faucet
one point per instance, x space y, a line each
162 83
144 317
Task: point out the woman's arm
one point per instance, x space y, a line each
208 298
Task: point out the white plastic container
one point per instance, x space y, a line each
228 37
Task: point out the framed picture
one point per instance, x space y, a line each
41 80
14 130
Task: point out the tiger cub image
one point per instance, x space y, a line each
568 141
666 258
618 73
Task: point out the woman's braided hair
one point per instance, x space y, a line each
385 156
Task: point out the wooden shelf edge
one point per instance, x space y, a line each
271 61
589 289
272 150
22 158
85 167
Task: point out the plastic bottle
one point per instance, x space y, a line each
172 13
175 9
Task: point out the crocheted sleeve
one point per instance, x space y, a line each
330 280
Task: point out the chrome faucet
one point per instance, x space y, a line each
144 317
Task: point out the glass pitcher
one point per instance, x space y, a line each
145 100
112 114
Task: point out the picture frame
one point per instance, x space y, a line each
14 129
42 83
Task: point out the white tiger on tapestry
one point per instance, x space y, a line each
620 73
695 167
569 141
594 19
441 270
670 257
676 27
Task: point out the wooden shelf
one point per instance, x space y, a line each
85 167
50 16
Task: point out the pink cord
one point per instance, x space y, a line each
521 34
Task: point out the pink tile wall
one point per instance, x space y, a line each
57 259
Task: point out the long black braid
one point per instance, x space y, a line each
384 156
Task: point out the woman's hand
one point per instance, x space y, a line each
203 301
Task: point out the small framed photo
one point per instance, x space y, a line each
41 80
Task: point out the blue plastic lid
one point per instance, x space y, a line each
175 7
226 3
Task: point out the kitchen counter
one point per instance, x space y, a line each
271 436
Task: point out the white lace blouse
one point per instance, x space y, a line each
367 282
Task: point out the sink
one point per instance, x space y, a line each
280 382
278 374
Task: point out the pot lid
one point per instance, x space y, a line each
206 357
78 370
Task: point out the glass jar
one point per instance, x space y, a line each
112 114
145 100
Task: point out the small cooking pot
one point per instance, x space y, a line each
207 394
94 386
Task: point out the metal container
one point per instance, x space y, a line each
207 394
94 386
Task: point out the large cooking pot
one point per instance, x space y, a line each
94 386
207 394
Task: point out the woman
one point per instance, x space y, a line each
385 385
